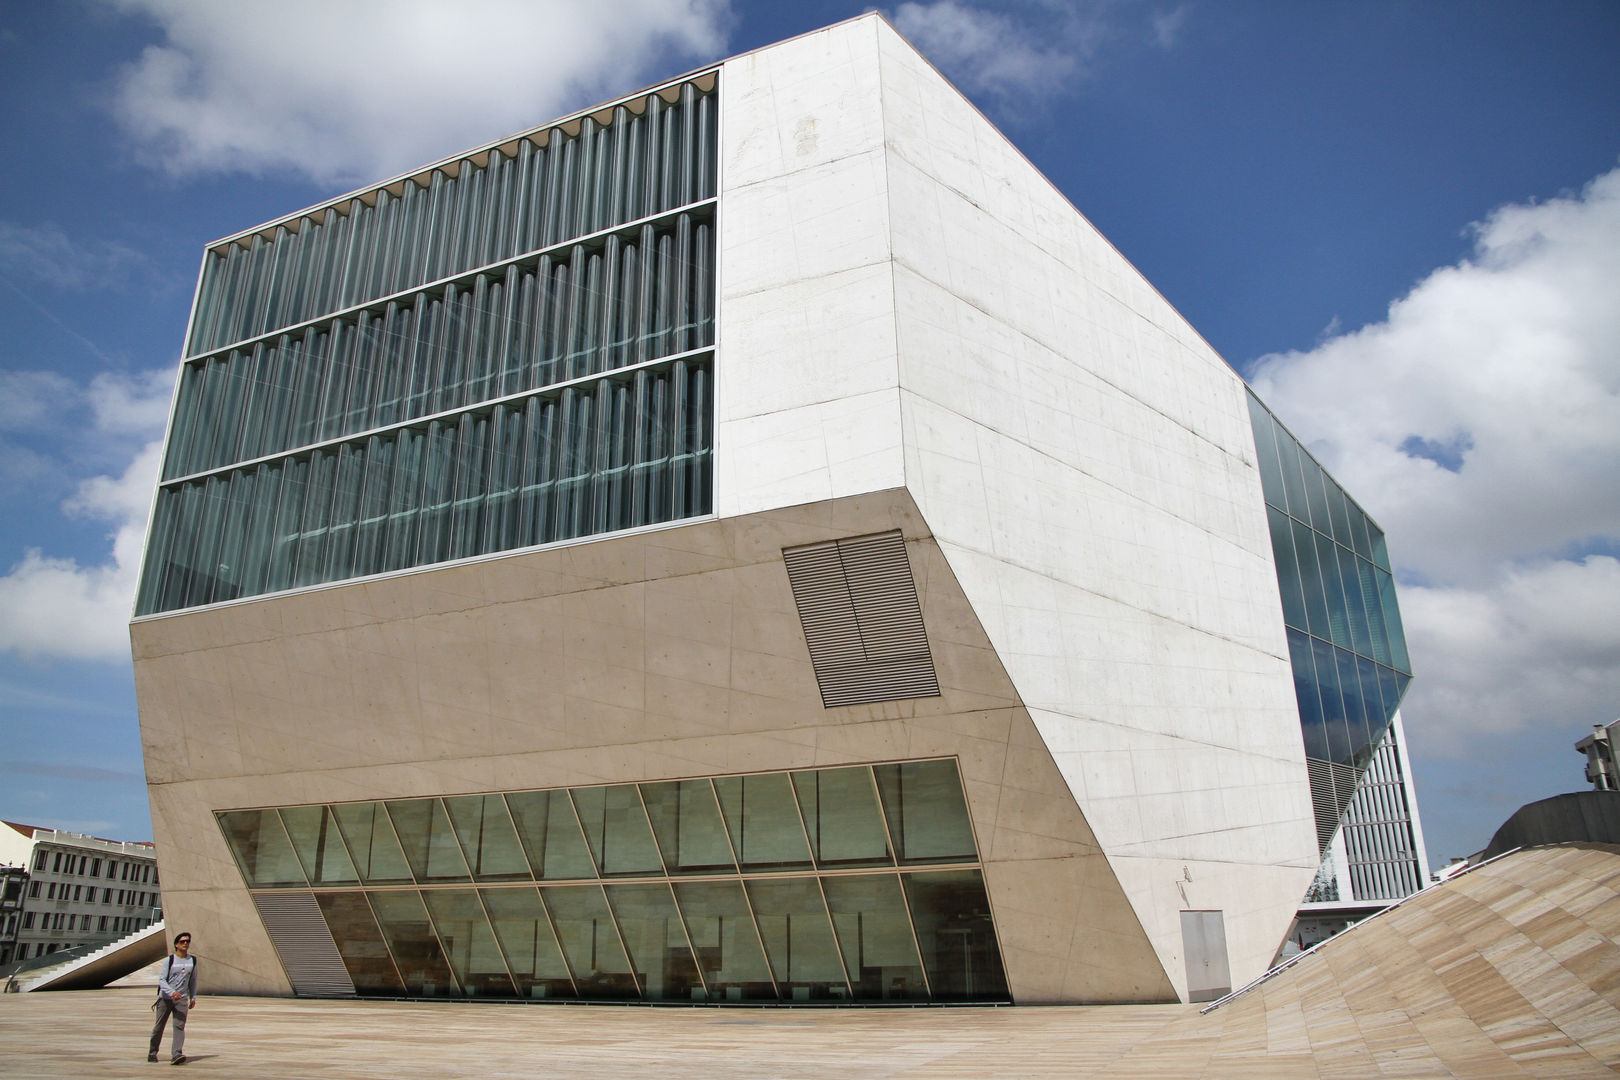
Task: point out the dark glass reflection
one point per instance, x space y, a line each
360 944
551 835
763 819
314 834
725 940
873 928
590 941
469 945
616 828
928 818
842 818
430 845
370 838
263 853
524 932
414 945
951 913
488 841
657 943
798 938
686 822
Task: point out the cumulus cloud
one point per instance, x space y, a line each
998 53
1480 424
56 608
351 91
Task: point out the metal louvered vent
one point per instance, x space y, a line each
1332 788
293 920
858 605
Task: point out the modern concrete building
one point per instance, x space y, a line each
79 890
751 541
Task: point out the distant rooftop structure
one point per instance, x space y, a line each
1599 750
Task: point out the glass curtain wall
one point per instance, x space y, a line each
1344 628
504 351
849 884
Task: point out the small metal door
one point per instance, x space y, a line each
1203 940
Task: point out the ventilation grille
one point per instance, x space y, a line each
1332 788
301 938
858 605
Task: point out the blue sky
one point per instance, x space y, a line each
1402 220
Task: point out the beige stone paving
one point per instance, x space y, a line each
1489 976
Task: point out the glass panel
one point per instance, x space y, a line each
763 819
1338 615
411 939
525 936
320 849
261 848
1368 583
1392 624
1333 710
1372 691
657 942
1265 446
841 817
793 920
551 836
617 830
430 845
952 915
1310 581
590 941
488 841
1360 636
468 942
1288 582
1311 721
928 817
725 940
874 932
686 822
1355 707
360 943
1316 491
1339 511
1289 454
370 836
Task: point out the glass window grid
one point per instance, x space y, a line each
425 886
1346 644
636 176
625 161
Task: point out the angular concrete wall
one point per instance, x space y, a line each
906 283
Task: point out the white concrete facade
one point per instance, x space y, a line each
907 301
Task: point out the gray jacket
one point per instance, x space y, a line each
191 979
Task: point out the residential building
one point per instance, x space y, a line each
80 890
750 541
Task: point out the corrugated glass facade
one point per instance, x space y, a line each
503 351
1344 628
851 884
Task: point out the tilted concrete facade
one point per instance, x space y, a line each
914 331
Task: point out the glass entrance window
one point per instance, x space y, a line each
856 883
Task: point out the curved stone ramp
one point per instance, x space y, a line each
1509 970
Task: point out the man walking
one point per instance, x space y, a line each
177 993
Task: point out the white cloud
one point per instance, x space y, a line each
350 90
994 52
1167 26
46 253
1480 424
56 608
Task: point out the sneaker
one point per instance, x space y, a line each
151 1057
181 1060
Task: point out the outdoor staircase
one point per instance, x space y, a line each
93 970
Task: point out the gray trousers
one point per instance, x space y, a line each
164 1008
